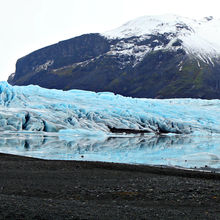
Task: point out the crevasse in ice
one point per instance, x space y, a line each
32 108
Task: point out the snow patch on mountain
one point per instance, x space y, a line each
125 51
43 66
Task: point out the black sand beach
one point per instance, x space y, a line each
40 189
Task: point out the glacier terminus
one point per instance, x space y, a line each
83 125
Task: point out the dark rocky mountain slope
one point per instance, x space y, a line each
152 57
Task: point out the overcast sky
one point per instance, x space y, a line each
27 25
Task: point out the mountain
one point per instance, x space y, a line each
152 56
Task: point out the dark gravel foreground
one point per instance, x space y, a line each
41 189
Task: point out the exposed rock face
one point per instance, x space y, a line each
31 68
156 57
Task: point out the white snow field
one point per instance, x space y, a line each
200 38
54 124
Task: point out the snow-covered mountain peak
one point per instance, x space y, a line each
198 37
153 24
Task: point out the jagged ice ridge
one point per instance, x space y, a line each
32 108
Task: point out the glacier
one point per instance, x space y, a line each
31 108
54 124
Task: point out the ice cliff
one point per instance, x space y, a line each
31 108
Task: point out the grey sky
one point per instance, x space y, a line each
27 25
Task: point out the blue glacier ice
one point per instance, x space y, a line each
31 108
54 124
